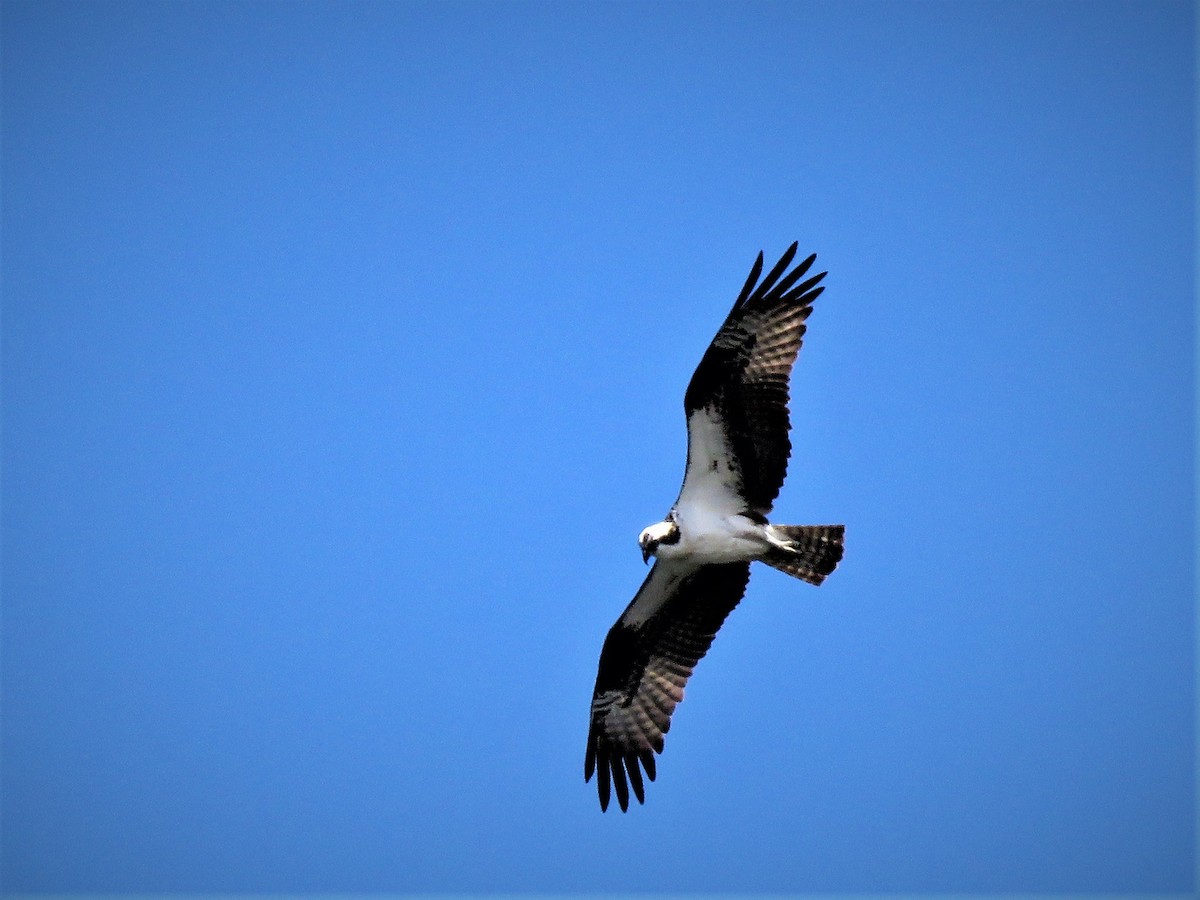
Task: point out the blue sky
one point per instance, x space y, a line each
344 349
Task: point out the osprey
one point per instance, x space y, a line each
738 448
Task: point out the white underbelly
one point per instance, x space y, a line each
716 539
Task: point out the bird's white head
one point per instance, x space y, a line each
664 532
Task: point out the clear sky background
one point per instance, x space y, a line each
344 348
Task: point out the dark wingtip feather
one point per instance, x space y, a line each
802 289
781 292
619 782
635 777
755 271
773 275
602 785
648 763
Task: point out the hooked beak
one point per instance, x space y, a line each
647 549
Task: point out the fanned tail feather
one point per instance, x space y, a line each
813 551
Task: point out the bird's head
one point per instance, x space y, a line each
665 532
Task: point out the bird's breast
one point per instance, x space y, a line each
708 538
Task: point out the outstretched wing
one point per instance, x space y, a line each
647 658
737 401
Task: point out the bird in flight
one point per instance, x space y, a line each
737 421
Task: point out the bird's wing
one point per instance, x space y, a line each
737 401
647 658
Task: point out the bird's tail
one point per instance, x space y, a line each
807 552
